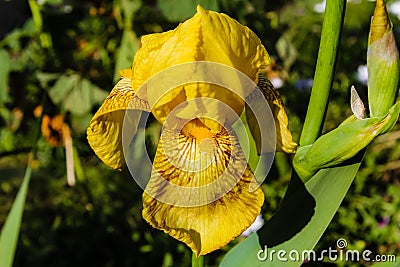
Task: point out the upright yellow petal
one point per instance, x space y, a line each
145 57
228 42
105 129
208 36
199 189
215 37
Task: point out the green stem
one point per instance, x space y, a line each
197 262
323 77
37 17
45 38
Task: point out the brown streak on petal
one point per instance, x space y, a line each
105 129
213 204
284 137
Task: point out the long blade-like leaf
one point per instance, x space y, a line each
328 187
10 232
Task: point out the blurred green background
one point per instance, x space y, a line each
62 57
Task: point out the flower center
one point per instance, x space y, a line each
201 133
196 129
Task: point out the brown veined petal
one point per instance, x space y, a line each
105 129
284 140
198 170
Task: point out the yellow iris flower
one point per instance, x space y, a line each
197 154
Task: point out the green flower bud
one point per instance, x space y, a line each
383 63
342 143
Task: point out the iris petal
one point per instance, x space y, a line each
145 57
207 36
105 129
188 212
284 142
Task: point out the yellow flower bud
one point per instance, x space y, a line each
383 63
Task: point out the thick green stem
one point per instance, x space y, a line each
330 37
197 262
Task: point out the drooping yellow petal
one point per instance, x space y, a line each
208 36
199 189
284 141
105 129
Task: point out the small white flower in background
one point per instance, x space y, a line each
394 8
277 82
320 7
257 224
362 74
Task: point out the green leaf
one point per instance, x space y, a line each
6 139
126 52
45 78
79 100
179 10
5 64
83 97
10 232
328 188
286 50
63 87
76 94
13 39
243 254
